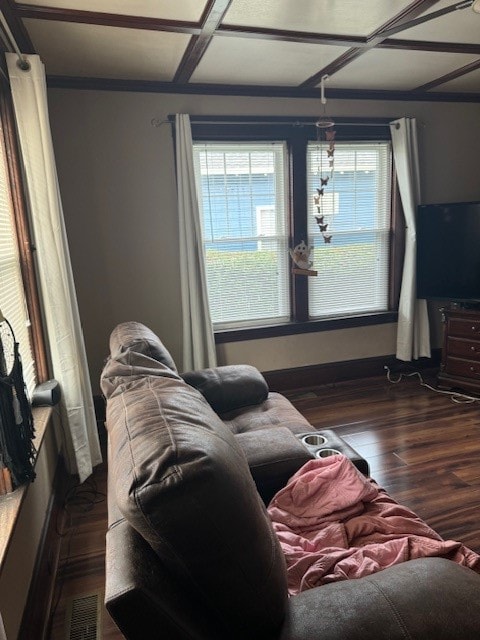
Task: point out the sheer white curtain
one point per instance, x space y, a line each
198 340
65 337
413 337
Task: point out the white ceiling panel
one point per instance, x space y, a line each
467 83
189 10
458 26
106 52
246 61
347 17
397 70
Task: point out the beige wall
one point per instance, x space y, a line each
116 174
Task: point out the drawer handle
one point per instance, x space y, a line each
475 327
474 370
473 349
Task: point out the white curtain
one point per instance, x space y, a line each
65 337
198 340
413 337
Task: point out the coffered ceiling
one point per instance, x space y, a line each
421 49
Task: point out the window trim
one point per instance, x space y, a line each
298 131
223 336
22 229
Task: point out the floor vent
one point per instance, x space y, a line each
83 617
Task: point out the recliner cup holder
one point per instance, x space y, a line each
321 446
326 443
325 453
314 439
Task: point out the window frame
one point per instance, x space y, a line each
297 132
25 245
279 154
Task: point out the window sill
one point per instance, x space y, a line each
223 336
11 503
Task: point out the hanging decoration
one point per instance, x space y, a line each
17 451
326 140
300 255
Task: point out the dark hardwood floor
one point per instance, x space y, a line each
422 448
81 570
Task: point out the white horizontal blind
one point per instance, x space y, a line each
242 203
353 267
12 297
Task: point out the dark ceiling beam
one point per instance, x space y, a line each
211 20
458 6
304 37
333 67
106 19
411 11
458 73
282 35
104 84
436 47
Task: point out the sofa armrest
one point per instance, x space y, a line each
273 455
229 387
425 599
142 597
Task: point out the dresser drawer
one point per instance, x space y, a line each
465 328
463 368
463 348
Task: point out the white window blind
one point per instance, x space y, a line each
242 200
353 267
12 297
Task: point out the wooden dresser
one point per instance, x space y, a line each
460 367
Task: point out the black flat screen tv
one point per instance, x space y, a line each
448 252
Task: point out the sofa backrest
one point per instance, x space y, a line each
136 337
182 481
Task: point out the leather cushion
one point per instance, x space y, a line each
275 411
229 387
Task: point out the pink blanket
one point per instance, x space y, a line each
335 524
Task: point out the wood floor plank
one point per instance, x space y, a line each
469 471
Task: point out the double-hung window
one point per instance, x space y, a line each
258 197
13 303
243 205
19 302
353 267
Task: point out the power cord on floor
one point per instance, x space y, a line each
455 396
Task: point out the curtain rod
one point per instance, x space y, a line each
22 61
156 122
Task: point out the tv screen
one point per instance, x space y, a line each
448 251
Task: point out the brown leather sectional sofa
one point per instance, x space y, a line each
191 553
